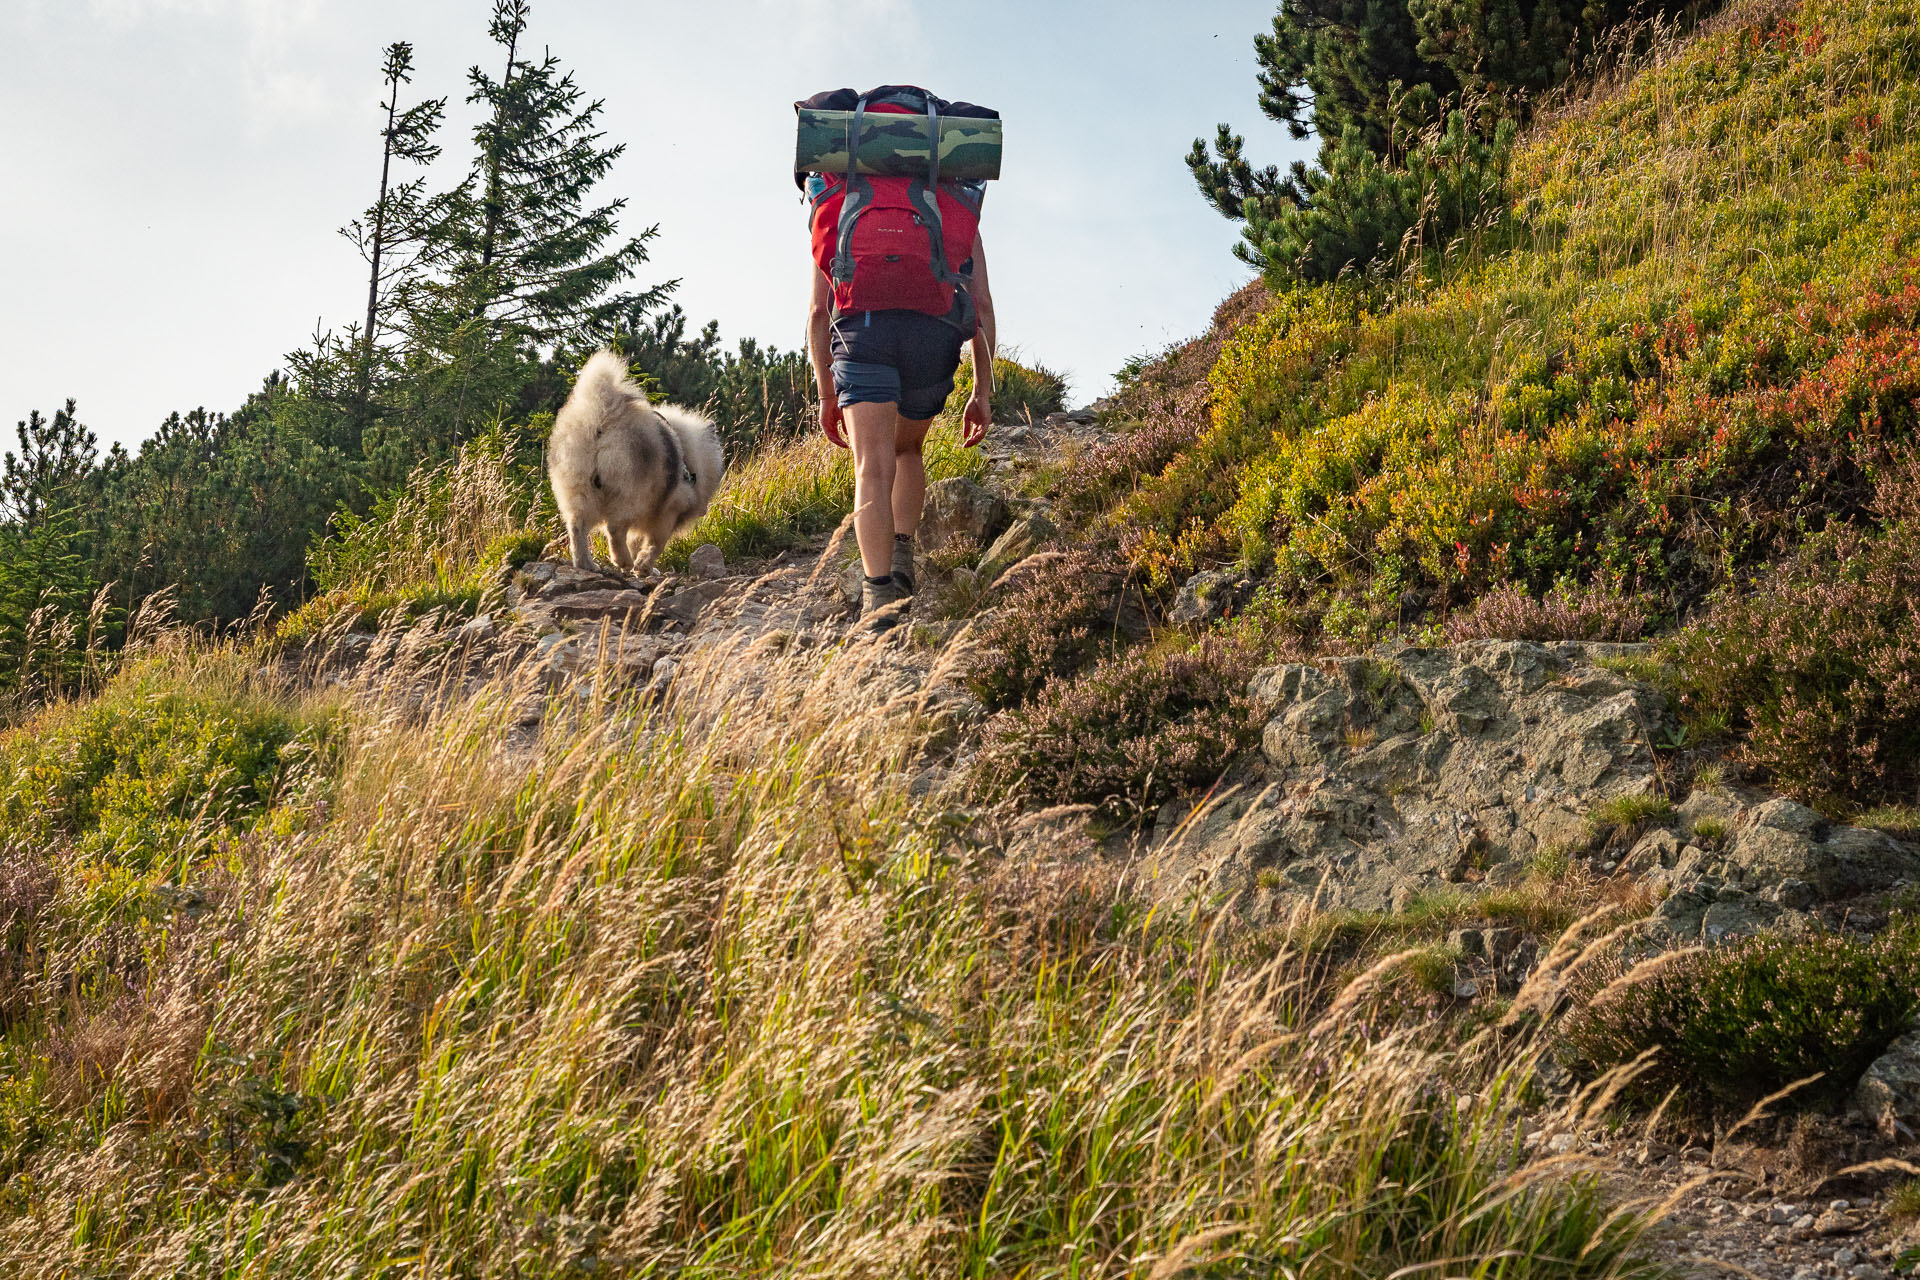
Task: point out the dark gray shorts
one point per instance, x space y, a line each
895 357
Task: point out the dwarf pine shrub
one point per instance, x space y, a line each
1022 392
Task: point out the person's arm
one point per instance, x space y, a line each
820 348
979 411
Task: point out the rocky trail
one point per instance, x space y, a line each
1380 777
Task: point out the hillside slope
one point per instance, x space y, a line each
1686 357
760 968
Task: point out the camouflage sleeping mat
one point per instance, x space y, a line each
895 146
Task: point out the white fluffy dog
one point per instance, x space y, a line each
641 472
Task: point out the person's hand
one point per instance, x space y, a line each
976 418
833 420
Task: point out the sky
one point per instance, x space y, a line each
173 172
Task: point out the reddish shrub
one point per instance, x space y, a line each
1129 734
1579 613
1819 664
1061 617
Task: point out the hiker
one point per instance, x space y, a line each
892 306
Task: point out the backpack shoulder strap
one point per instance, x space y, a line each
859 196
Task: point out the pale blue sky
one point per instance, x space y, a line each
174 170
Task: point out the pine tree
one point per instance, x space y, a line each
54 461
522 248
1386 76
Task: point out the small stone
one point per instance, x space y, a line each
1796 894
1465 988
1845 1257
707 561
1839 1206
1207 596
1865 1272
1696 1155
662 677
1804 1222
1468 942
1561 1143
1782 1213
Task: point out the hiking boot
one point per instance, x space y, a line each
903 562
882 603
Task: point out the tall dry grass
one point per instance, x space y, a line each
695 987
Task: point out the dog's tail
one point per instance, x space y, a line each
603 388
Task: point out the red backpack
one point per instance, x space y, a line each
896 243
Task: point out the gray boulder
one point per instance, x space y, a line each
1889 1093
959 507
1781 840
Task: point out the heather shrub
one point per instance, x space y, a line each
1742 1021
28 886
1063 616
1819 663
1129 734
1110 471
1565 613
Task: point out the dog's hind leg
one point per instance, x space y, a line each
580 542
621 545
641 551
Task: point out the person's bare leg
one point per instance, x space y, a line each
873 430
909 475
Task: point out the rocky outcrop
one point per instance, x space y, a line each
1389 773
1889 1093
1729 869
1384 775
